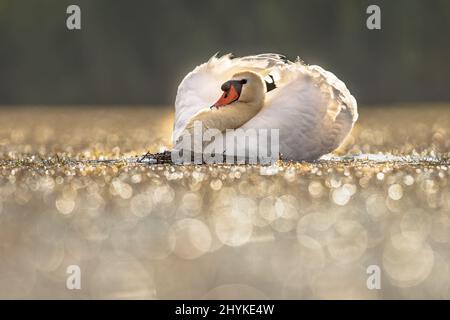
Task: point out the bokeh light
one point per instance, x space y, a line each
74 194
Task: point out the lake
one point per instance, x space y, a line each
370 221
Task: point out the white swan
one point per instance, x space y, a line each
312 109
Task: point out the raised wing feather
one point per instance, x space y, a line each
313 110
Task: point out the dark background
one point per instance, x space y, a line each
137 51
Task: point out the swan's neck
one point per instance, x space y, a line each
229 117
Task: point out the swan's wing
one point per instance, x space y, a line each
201 87
313 110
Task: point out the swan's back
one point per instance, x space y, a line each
313 110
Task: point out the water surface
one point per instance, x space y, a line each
291 230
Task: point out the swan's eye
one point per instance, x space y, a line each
243 81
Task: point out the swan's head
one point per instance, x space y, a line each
242 98
246 87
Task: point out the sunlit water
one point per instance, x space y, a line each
291 230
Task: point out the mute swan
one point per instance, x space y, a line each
312 109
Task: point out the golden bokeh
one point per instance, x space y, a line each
73 193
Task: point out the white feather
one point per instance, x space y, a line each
311 107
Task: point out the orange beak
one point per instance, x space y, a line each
227 97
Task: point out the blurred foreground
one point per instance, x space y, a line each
291 231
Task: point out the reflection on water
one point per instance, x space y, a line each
307 230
